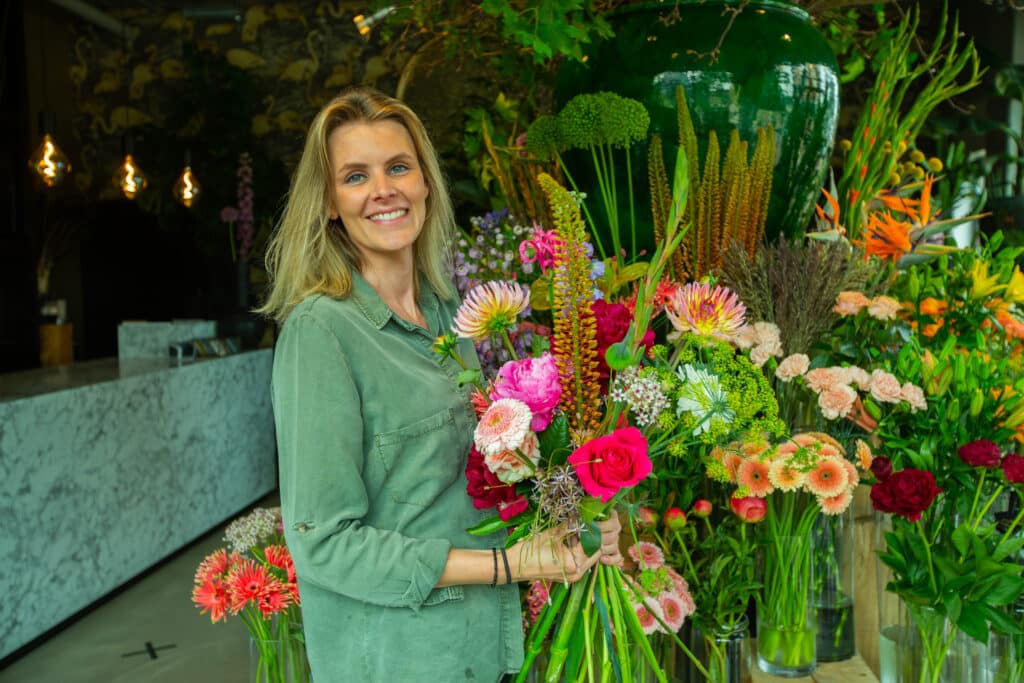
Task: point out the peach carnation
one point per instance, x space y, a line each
511 465
820 379
828 479
914 395
883 308
859 376
744 338
885 387
767 333
836 401
792 366
850 303
760 354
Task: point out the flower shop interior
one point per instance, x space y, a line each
780 241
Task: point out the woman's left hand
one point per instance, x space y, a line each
610 530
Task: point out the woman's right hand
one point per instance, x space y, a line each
554 555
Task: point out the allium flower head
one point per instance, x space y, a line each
699 307
256 527
503 427
490 308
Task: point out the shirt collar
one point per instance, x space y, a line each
378 313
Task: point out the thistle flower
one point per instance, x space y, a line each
698 307
558 494
490 308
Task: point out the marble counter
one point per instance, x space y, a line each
106 468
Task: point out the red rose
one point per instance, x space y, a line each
980 453
1013 468
907 493
750 509
483 486
612 324
881 467
612 462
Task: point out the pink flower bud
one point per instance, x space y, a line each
750 509
702 508
675 519
648 517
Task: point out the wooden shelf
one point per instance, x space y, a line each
853 670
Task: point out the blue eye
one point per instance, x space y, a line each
399 168
353 178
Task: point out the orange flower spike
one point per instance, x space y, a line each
833 206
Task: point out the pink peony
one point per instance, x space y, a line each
885 387
914 395
510 508
503 426
702 508
792 366
883 308
750 509
836 401
647 517
511 466
534 381
675 519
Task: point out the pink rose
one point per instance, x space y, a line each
836 401
792 366
534 381
610 463
820 379
883 308
885 387
850 303
913 395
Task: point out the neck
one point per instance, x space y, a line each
397 286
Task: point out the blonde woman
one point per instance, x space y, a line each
373 433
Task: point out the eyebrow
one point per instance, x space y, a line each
401 156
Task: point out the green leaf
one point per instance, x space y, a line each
554 441
618 356
953 605
1008 547
1006 590
590 538
1001 621
591 508
962 539
973 622
489 526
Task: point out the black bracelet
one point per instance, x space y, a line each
494 555
508 572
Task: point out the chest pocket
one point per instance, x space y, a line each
422 459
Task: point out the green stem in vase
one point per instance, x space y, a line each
540 629
560 644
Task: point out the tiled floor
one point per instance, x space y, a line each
158 610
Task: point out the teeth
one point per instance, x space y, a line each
390 215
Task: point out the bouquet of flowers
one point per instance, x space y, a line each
254 578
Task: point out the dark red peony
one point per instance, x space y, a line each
612 324
980 453
483 486
881 467
1013 468
907 493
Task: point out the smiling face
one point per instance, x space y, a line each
378 191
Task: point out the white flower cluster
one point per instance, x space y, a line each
642 394
246 532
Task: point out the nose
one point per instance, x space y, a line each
383 187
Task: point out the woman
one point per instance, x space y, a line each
373 432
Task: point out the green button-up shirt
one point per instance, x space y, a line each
373 434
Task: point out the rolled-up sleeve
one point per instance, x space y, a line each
323 496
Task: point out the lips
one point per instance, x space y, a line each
391 215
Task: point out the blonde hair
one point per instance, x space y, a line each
308 253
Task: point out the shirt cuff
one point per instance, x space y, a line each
427 572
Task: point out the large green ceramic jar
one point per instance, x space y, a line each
773 69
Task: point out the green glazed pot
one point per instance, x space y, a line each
774 68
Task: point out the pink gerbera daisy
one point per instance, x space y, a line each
503 427
646 614
784 476
753 475
673 610
699 307
490 308
836 505
647 555
828 479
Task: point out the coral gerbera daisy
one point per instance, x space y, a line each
835 505
784 476
212 597
864 455
248 581
699 307
828 479
753 475
503 427
275 598
490 308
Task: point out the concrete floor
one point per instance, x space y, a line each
157 609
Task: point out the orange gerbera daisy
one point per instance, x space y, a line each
753 475
212 597
828 479
864 455
852 475
886 237
784 476
835 505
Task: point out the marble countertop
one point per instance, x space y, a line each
28 383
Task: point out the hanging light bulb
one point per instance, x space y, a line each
186 190
48 161
128 177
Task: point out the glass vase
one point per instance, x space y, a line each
724 651
786 616
833 585
278 661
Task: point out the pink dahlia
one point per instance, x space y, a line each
534 381
699 307
490 308
503 427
